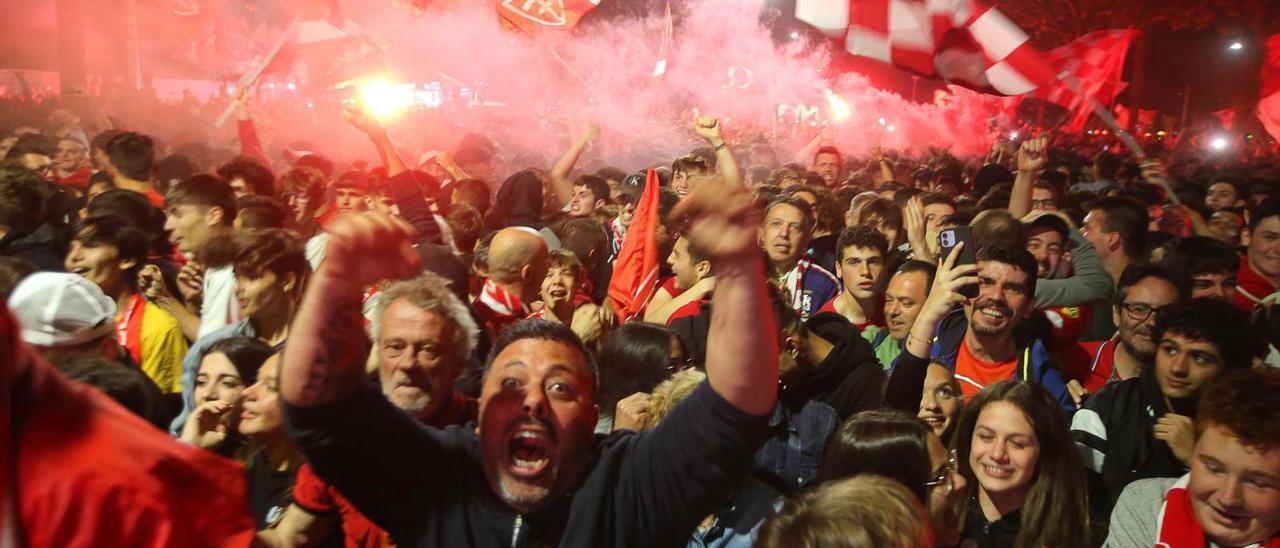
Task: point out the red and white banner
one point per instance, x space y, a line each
961 41
1269 102
1096 60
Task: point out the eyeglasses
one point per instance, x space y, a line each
943 477
677 365
1140 312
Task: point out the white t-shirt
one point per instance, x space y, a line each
219 308
315 249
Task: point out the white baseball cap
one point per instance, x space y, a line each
61 309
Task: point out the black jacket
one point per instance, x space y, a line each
1114 434
426 486
40 246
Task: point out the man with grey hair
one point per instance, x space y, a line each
422 335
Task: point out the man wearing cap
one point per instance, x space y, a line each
64 315
629 195
1048 237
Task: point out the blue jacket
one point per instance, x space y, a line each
1034 361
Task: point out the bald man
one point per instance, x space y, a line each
517 265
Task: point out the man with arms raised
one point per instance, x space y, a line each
422 337
531 473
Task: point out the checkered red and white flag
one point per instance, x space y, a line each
1096 60
961 41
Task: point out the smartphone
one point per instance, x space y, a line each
947 240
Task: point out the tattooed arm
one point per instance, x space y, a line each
323 357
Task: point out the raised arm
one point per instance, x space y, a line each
250 144
1089 280
403 185
742 342
726 164
805 155
324 357
560 172
1031 160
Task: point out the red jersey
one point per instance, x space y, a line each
1251 287
876 318
87 472
318 497
974 374
1090 363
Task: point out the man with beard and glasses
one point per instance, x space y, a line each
1143 293
422 336
1144 427
977 340
531 473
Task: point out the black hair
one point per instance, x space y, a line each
132 154
597 185
1214 321
582 236
205 191
1140 271
130 243
1198 255
134 209
174 168
915 265
246 354
1267 209
31 143
544 330
22 198
884 442
261 211
1017 257
257 178
1126 217
317 161
474 193
127 385
862 236
633 359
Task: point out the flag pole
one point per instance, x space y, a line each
1125 136
252 75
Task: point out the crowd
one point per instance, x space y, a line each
297 350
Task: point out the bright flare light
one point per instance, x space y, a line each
1235 46
839 108
1013 135
386 100
1218 143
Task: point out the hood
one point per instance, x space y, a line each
519 201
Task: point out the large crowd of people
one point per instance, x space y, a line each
300 349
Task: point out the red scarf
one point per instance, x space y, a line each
498 307
129 327
1177 525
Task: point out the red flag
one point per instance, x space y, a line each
962 41
1269 103
1096 60
534 16
635 272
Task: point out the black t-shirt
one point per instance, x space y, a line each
270 491
1001 533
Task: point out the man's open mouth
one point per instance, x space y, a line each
530 453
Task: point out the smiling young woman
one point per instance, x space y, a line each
1025 485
